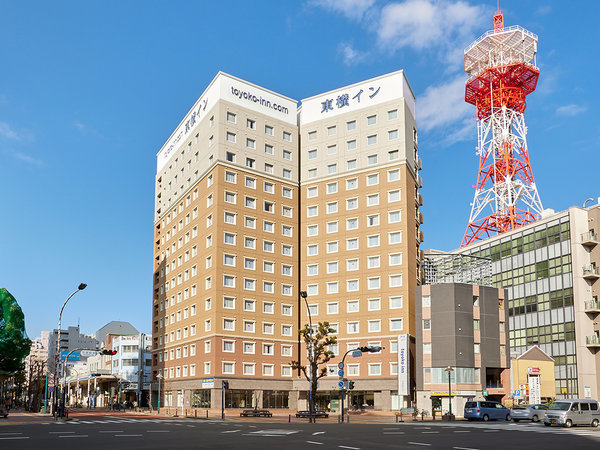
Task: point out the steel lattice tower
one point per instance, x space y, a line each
502 71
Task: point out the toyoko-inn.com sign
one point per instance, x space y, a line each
403 365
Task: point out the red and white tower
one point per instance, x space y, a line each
502 71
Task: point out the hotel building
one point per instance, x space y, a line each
255 201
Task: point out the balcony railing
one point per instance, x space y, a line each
592 341
589 239
590 271
592 306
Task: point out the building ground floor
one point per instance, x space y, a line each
208 393
105 391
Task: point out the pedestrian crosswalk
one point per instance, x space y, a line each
124 420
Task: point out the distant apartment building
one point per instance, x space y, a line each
461 345
71 339
255 202
550 271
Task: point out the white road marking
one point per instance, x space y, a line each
465 448
128 435
490 431
116 431
430 432
318 432
15 437
420 443
74 436
314 442
351 448
4 434
393 432
461 431
61 432
231 431
158 431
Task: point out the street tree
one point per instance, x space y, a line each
14 344
317 342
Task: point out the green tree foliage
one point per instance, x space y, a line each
317 343
14 344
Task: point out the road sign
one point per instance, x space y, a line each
341 384
517 393
356 353
340 365
484 393
50 388
341 373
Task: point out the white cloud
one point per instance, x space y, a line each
27 158
570 110
352 9
426 24
8 132
443 105
350 55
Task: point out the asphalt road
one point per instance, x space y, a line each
113 432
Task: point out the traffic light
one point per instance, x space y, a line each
371 349
108 352
225 384
350 385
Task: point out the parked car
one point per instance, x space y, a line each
528 412
578 411
484 410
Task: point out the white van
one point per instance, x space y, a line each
578 411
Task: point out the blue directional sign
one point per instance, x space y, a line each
341 384
356 353
341 373
340 365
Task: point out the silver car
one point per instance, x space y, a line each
535 413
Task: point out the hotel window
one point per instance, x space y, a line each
395 302
373 200
249 305
268 308
331 169
332 188
331 131
207 304
249 285
332 308
374 326
230 238
332 207
286 230
351 183
193 350
332 287
395 324
231 138
351 125
268 226
372 140
230 218
351 145
286 211
248 368
230 177
286 350
207 325
269 207
312 289
332 267
287 155
250 143
229 324
393 196
267 370
230 117
229 280
312 230
229 346
228 367
286 330
268 168
286 250
229 302
230 197
269 149
286 289
286 192
372 159
351 264
251 183
351 203
372 179
352 223
312 154
331 150
373 262
393 175
207 368
427 324
269 187
374 304
392 134
314 309
268 328
251 124
312 211
250 222
354 369
393 114
286 310
374 283
352 244
352 306
312 135
209 202
375 369
249 347
268 267
251 163
312 191
208 262
286 371
373 220
268 246
332 227
395 280
476 348
269 130
351 164
250 242
250 202
352 285
395 259
249 326
393 216
352 327
395 237
229 260
287 136
372 120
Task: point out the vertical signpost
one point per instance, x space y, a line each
403 368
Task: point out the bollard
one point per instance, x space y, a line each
289 418
348 418
196 413
207 413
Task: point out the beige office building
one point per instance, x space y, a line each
235 216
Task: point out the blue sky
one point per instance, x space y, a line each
89 92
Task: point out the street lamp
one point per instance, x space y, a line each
81 287
159 376
303 295
449 370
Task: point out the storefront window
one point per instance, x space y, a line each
235 398
201 398
275 399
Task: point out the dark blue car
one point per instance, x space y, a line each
484 410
